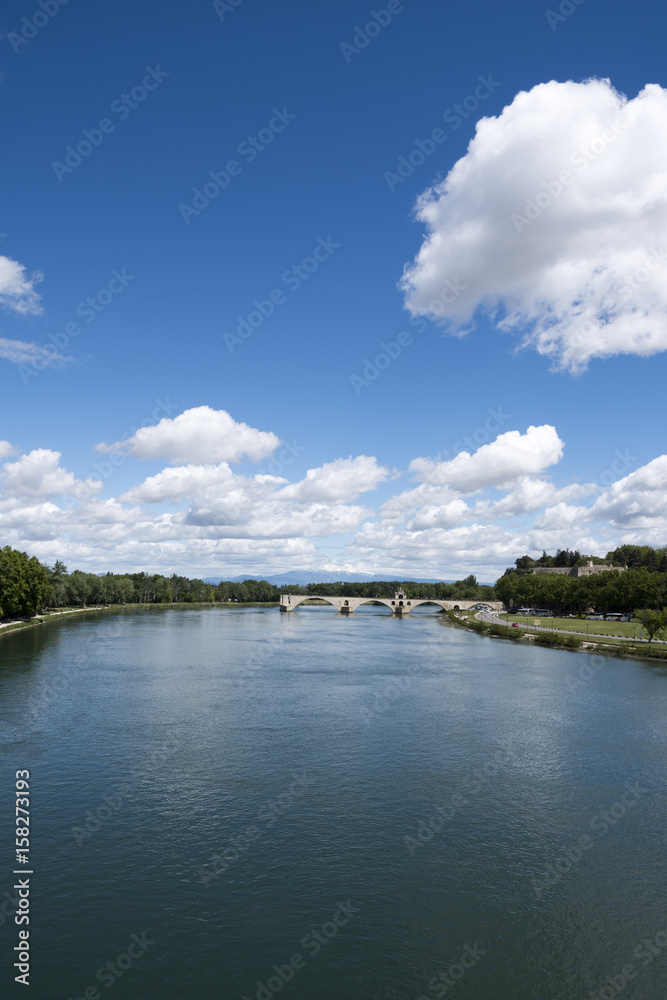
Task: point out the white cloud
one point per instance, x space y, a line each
575 274
17 288
636 500
197 435
409 501
444 516
530 495
438 552
172 485
232 524
339 481
35 355
6 449
230 518
39 475
562 516
511 455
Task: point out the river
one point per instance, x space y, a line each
230 803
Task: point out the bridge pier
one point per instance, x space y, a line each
400 606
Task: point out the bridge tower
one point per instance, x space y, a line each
400 604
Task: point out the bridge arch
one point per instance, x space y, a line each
293 601
358 601
400 604
430 600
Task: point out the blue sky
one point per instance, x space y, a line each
333 121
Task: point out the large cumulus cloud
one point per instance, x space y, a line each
555 222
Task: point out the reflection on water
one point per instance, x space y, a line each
326 806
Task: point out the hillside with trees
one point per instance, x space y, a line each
642 585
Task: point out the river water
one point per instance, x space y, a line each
231 803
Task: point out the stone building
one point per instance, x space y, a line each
590 569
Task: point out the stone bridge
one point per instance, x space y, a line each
398 605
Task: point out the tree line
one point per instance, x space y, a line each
630 556
28 587
606 592
643 584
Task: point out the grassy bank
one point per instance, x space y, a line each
612 646
627 630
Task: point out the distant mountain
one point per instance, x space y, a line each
303 577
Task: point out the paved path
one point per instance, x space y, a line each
492 618
45 617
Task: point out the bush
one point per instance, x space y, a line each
558 639
655 653
501 631
547 638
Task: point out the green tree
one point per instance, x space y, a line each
655 622
25 586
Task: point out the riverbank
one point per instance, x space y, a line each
560 640
50 616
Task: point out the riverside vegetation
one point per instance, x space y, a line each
638 584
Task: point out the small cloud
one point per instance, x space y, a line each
38 356
200 436
17 288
